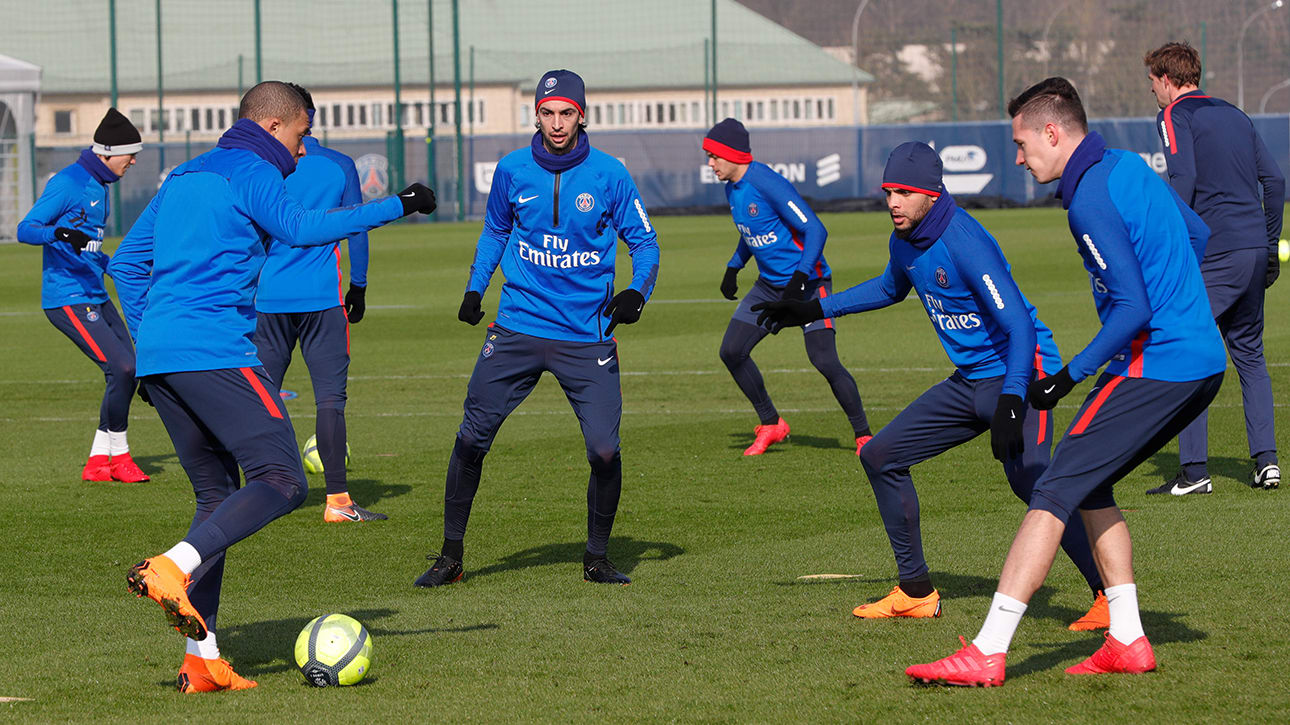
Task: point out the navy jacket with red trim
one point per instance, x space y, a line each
1219 165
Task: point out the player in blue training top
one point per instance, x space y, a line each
555 213
67 221
997 343
779 229
299 299
1164 363
186 273
1219 165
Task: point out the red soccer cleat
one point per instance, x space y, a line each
1098 616
1115 656
125 470
97 469
200 675
967 668
766 435
861 441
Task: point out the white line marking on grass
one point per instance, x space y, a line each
16 699
813 577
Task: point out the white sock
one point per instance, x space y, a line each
101 445
1000 624
1122 600
116 443
185 557
207 649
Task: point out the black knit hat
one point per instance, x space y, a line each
116 136
914 166
729 140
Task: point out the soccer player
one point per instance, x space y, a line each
186 273
299 298
1164 364
998 345
779 229
555 212
1221 169
67 222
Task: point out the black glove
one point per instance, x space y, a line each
775 316
470 311
1006 438
625 307
1274 270
730 283
80 240
355 303
417 197
796 288
1045 392
143 395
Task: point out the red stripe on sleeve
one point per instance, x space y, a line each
1092 409
265 398
85 334
1169 124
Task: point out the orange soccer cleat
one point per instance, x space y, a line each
900 604
97 469
1098 616
341 509
125 470
201 675
160 580
861 441
1115 656
966 668
766 435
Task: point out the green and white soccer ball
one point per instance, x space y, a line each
333 650
313 461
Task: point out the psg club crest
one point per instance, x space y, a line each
942 277
752 209
92 316
373 175
585 202
550 83
488 349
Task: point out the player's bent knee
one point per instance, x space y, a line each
605 461
733 356
874 456
468 451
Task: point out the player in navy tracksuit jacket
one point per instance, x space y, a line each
186 273
300 298
1220 167
997 343
555 213
778 228
1164 364
67 222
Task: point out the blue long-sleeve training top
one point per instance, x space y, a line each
776 226
1220 167
186 272
308 279
987 327
1141 246
556 236
73 198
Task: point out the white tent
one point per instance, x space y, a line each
19 86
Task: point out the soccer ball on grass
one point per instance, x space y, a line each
313 461
333 650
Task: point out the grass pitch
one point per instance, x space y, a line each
717 625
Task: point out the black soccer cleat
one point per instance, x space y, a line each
444 570
1180 486
602 571
1267 478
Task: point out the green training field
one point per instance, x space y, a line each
717 625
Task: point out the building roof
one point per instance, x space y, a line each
620 44
18 75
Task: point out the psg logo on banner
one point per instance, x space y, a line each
752 209
585 202
942 277
373 175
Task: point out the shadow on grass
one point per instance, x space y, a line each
152 465
267 647
625 552
740 441
1166 466
367 492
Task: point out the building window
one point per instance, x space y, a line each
62 121
136 118
833 113
195 119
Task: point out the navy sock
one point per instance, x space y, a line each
919 587
603 490
465 466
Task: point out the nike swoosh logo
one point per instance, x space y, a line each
408 195
911 267
1013 413
604 362
548 92
1050 389
526 199
94 203
1009 611
348 515
1180 490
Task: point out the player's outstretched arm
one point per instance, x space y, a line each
263 196
787 312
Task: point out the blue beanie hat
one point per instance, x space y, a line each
729 140
561 85
914 166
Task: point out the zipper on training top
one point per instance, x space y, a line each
555 202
